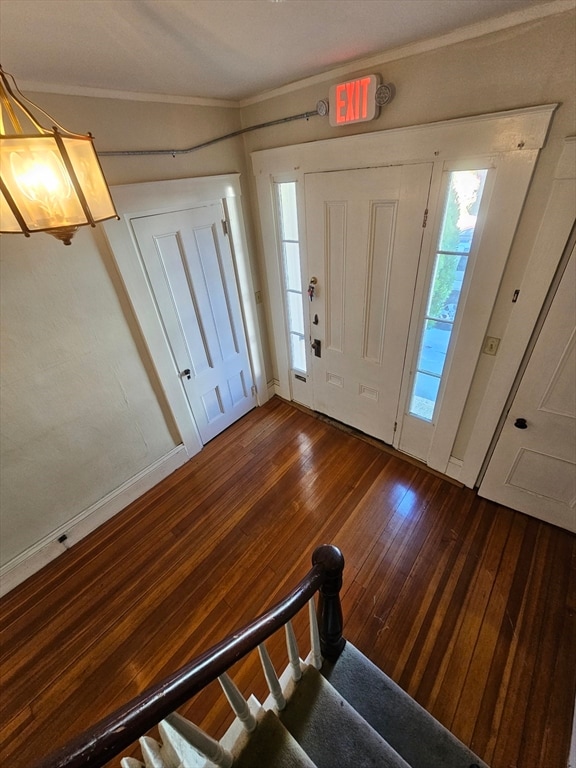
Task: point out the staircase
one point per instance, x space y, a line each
348 714
334 710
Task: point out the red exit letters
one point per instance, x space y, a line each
354 101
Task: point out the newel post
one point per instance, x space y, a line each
329 610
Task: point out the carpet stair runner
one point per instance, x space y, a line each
347 715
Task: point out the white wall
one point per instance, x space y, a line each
82 410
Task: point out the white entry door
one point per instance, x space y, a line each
533 467
189 263
364 235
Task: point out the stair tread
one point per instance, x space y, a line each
272 745
330 731
412 731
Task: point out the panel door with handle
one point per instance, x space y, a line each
191 272
364 235
533 467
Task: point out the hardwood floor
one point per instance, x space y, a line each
468 605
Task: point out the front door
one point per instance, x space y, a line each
533 467
364 235
189 263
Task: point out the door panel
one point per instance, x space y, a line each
533 467
191 271
364 233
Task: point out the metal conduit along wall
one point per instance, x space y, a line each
174 152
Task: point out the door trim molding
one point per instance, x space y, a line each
493 133
151 198
520 133
545 257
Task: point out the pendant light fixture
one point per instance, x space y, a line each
50 179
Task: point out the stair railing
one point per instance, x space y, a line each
99 744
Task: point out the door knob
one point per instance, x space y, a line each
521 424
186 373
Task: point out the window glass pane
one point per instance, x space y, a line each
424 396
434 347
292 266
288 232
288 213
462 203
295 314
446 286
463 200
298 352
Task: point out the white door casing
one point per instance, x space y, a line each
150 198
191 271
508 140
547 249
364 233
508 178
533 466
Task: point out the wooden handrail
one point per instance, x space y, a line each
97 745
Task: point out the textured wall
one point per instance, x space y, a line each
82 411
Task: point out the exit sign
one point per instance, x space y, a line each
354 101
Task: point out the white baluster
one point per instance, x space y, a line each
151 753
200 741
293 653
131 762
238 703
271 678
314 635
177 751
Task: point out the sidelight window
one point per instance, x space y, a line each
292 278
461 206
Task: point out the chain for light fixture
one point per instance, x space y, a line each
50 178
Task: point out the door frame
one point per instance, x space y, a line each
545 257
157 197
516 136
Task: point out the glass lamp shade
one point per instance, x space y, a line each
51 182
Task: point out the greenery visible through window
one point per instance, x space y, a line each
290 245
454 244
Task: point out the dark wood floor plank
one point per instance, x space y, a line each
500 667
509 740
425 605
468 605
537 745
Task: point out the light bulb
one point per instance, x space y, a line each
40 176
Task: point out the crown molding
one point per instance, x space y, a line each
470 32
105 93
515 18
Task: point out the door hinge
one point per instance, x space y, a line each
395 426
254 390
225 226
425 219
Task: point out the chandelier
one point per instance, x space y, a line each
50 178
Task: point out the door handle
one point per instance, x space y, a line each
186 373
317 347
521 424
312 287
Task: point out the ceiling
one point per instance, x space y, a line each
218 49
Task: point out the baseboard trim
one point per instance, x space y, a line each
454 468
48 548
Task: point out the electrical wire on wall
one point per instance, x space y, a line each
174 152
